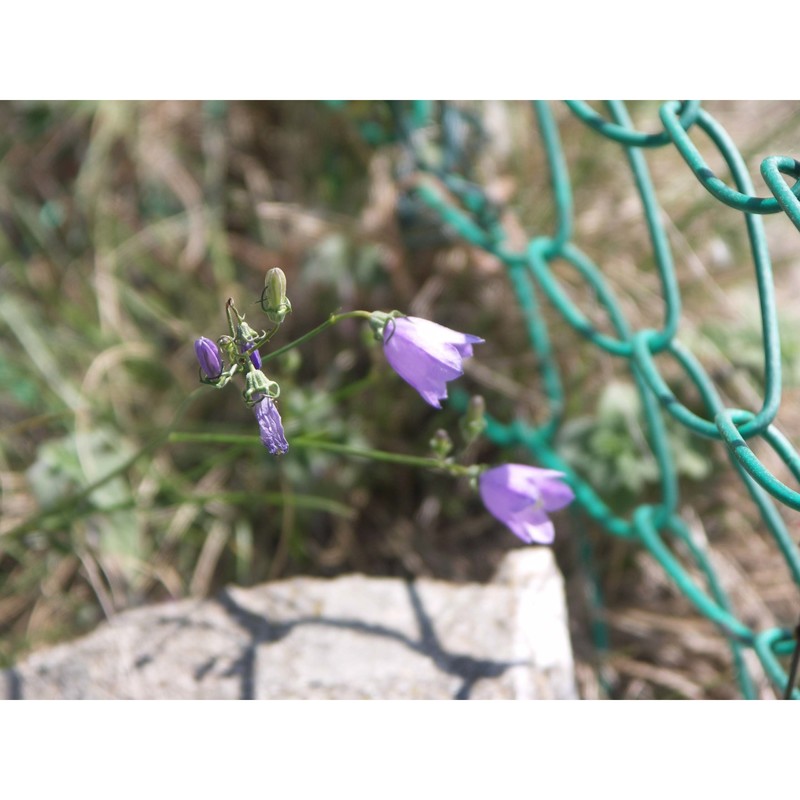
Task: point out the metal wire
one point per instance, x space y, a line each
465 209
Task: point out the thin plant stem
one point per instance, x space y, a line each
332 320
331 447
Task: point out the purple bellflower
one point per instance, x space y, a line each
521 497
270 425
426 355
209 357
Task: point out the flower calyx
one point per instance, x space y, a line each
378 320
258 385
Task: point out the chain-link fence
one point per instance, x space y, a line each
440 180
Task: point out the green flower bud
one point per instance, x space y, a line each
274 301
473 423
441 444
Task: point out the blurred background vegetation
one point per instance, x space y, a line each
125 226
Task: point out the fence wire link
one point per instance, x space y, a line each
464 208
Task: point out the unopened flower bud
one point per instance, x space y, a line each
209 356
473 423
441 444
274 301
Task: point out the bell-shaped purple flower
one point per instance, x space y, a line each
521 497
209 357
426 354
270 425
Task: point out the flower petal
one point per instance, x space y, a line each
520 496
546 485
507 489
427 372
556 493
406 335
531 524
543 533
465 348
428 331
426 355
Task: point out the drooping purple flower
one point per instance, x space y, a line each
209 357
426 354
255 356
521 497
270 425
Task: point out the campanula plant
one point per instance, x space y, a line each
241 346
425 355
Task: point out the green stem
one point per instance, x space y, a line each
229 309
261 341
332 320
331 447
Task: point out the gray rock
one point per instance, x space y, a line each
307 638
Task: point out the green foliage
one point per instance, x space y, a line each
610 447
23 389
743 345
68 464
340 265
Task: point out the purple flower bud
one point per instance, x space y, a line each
270 425
521 496
426 354
255 356
209 357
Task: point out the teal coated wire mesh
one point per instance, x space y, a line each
464 207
